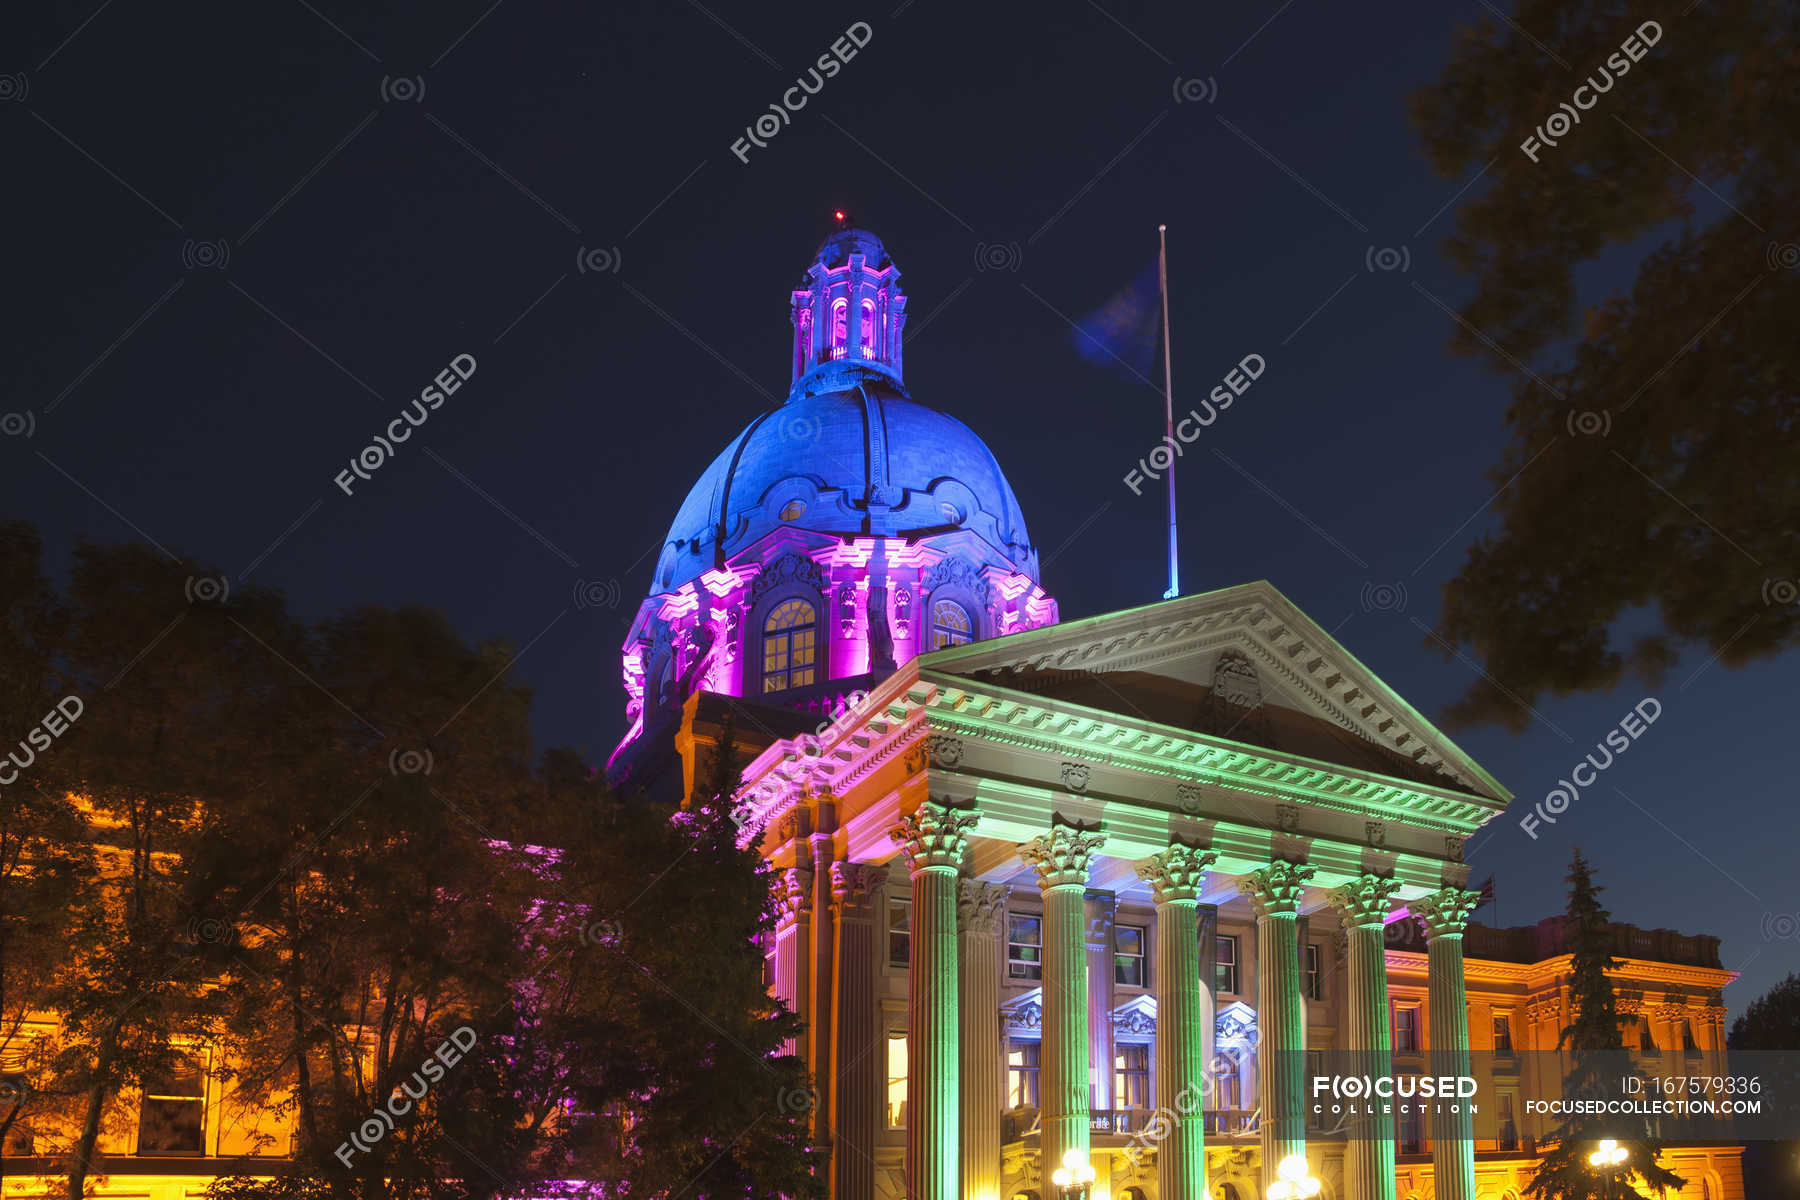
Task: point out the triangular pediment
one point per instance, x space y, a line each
1241 664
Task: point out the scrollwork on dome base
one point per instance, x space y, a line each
789 568
959 572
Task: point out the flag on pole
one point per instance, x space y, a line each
1123 331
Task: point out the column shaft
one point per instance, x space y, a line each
935 840
1276 890
820 1039
978 965
1369 1151
858 1056
1444 915
1062 858
1184 1011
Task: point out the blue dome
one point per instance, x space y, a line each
848 454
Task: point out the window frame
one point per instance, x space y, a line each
1141 958
1025 968
1124 1075
904 904
1503 1033
889 1119
193 1061
936 628
1312 972
1225 967
1023 1076
1411 1010
768 632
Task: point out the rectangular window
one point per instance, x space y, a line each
1225 969
171 1118
1021 1075
1509 1128
1503 1033
1406 1029
1688 1044
1314 975
899 933
1024 947
896 1081
1315 1067
1131 1077
1410 1138
1646 1039
1128 956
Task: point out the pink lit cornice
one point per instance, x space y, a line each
723 581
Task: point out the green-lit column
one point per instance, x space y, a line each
1369 1153
858 1061
1444 914
1275 891
1062 858
934 839
1183 1009
980 907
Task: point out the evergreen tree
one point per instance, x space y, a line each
1593 1040
1772 1022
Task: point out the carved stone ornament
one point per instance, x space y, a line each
793 892
934 836
1287 818
1276 889
853 887
1445 912
1063 856
847 609
1178 873
918 756
1375 834
789 568
1188 797
946 751
979 906
1135 1021
960 573
1235 680
1075 776
1453 849
1026 1016
1365 901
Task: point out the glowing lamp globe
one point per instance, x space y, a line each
1294 1182
1609 1154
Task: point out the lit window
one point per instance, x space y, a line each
1509 1127
1315 976
792 509
1411 1138
1406 1029
170 1120
1503 1033
1022 1075
1225 964
788 646
840 324
1024 948
1131 1077
868 329
899 933
949 624
896 1081
1128 955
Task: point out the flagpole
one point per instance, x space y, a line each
1162 274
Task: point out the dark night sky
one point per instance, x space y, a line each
368 240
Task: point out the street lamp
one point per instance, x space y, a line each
1075 1177
1607 1158
1296 1182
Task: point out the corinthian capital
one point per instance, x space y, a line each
853 886
1275 890
1445 912
1063 856
979 905
1364 901
1178 873
793 892
934 835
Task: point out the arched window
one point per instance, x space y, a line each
789 646
840 327
867 337
949 624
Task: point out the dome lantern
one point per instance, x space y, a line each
851 311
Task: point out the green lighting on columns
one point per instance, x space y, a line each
1445 914
1275 892
1183 1011
1062 858
1363 905
934 839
